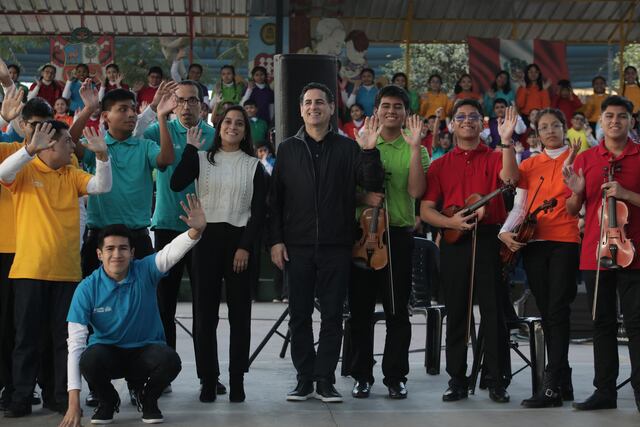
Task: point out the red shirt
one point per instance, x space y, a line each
427 142
567 106
592 162
459 173
146 94
108 87
49 92
350 129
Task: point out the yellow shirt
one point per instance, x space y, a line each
430 102
591 107
47 218
581 135
7 216
632 93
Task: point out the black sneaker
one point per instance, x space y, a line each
17 410
326 392
91 400
103 414
208 393
303 391
220 388
150 412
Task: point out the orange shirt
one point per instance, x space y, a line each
64 118
530 98
7 215
430 102
555 225
632 93
591 107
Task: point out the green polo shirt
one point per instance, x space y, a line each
395 156
259 130
129 201
168 209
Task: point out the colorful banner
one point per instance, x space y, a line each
262 42
82 47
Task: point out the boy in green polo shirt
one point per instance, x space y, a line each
405 162
259 128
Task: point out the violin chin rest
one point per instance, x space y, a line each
361 263
607 262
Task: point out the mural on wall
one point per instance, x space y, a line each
262 43
81 47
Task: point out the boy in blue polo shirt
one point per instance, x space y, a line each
118 300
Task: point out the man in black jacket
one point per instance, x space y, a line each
312 210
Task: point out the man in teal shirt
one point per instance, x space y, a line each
405 162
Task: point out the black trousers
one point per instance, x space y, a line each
363 290
40 307
317 272
89 257
489 292
170 285
153 367
212 261
605 327
551 271
7 330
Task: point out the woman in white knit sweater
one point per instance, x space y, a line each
231 185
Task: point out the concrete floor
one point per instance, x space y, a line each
271 378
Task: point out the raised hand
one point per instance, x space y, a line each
574 146
367 138
342 84
574 181
89 94
95 142
194 217
12 104
137 86
507 125
42 139
413 130
167 105
166 87
439 115
194 137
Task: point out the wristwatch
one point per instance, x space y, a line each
505 145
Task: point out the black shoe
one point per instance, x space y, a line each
236 386
361 389
103 414
303 391
326 392
208 393
4 403
546 398
35 399
499 394
220 388
596 401
397 390
91 400
150 412
455 393
637 395
17 410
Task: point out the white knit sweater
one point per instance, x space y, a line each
226 188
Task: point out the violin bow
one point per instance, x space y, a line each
472 279
386 226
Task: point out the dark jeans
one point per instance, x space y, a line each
551 270
605 327
489 292
317 272
363 290
41 308
153 367
212 261
141 242
169 286
7 330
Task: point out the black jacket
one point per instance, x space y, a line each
301 215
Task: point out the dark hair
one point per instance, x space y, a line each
431 117
66 101
500 101
631 67
434 76
194 84
258 68
396 75
246 144
368 70
155 69
119 230
230 67
249 102
316 85
81 65
36 107
578 113
198 66
615 100
467 101
392 91
116 95
457 88
564 84
114 66
598 78
58 126
507 86
15 67
45 66
526 76
554 112
356 104
359 39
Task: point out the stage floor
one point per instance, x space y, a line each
270 378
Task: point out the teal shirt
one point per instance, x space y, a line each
396 156
259 130
488 101
168 210
129 201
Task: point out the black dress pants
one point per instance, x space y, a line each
169 286
40 306
317 272
212 260
551 271
363 290
605 327
7 330
489 292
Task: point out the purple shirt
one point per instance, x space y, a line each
263 99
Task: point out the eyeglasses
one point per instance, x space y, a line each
471 117
553 128
189 101
34 123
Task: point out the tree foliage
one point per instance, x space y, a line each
631 57
448 60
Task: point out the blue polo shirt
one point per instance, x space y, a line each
367 97
75 101
123 314
167 213
130 198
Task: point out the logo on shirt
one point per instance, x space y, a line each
106 309
37 183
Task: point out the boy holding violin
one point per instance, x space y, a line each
610 170
470 168
405 162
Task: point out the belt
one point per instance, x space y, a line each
135 232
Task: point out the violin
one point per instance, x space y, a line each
614 249
473 203
525 230
370 251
